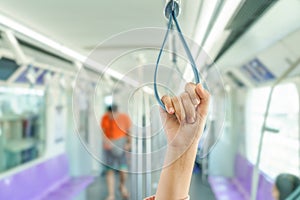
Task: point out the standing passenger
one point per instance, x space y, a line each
116 127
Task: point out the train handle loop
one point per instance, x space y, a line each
172 17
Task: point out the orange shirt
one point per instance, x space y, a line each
116 127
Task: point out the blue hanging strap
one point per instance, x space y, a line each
172 17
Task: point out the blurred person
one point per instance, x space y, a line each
116 141
285 185
184 120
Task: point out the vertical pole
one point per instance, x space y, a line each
148 146
134 155
255 180
256 167
140 146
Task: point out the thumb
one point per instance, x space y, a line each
202 108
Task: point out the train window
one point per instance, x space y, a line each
21 126
7 68
280 152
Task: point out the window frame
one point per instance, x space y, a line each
251 155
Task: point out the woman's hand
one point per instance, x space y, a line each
183 121
185 117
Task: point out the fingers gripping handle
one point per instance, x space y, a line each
173 13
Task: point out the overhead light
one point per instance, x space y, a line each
40 38
72 54
205 18
11 24
225 15
22 91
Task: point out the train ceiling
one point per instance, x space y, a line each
84 24
273 41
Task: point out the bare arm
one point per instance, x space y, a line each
183 123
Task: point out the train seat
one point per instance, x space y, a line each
225 188
239 186
47 180
265 187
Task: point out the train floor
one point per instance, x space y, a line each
200 190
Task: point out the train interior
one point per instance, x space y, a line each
63 62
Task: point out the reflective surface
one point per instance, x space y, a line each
21 126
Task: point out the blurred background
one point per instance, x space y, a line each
63 62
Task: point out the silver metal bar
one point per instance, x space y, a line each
273 130
134 157
13 43
148 147
295 194
140 146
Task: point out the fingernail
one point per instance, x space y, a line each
170 110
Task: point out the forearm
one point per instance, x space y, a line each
184 120
175 179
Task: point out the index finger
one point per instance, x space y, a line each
190 89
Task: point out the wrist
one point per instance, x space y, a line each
183 149
187 154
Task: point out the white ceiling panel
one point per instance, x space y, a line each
293 43
82 25
281 20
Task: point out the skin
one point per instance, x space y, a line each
183 122
275 192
